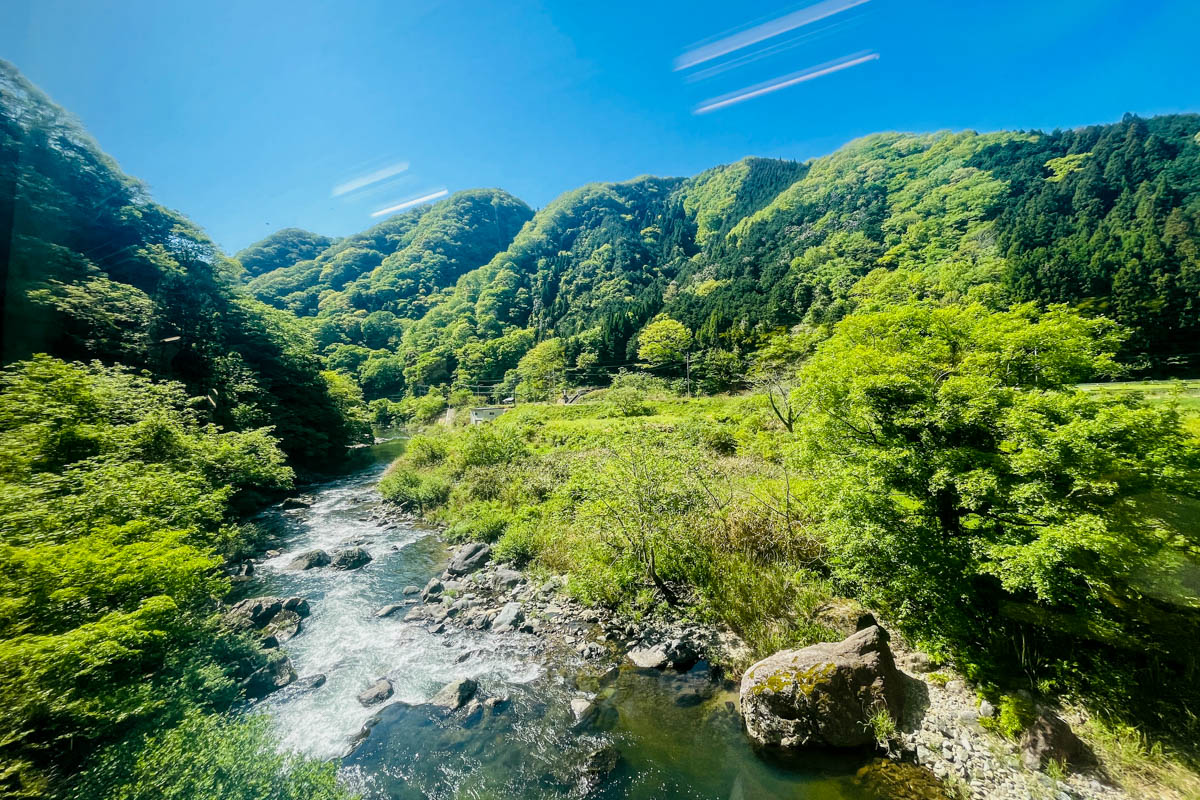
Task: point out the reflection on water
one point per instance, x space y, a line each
652 735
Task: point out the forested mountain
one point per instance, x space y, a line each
282 249
1104 218
92 268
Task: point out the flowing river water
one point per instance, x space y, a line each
660 735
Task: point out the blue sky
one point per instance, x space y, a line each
246 115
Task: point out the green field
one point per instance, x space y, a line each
1185 393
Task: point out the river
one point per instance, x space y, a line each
660 735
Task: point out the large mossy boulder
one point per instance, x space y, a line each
823 695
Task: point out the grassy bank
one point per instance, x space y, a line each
648 500
644 499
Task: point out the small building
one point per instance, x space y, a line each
486 413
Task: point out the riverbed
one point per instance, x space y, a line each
651 734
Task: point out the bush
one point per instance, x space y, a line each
414 491
519 545
485 523
626 401
1014 713
489 444
208 756
426 451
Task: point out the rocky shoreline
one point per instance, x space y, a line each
937 724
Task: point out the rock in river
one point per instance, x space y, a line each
351 558
376 693
455 694
822 695
276 674
469 558
309 559
509 618
390 609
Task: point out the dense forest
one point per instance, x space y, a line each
912 315
1102 218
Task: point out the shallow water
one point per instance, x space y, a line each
655 735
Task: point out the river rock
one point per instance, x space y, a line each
410 590
654 657
297 604
282 627
376 693
253 612
507 579
433 590
509 618
351 558
294 502
822 695
1050 738
276 674
309 559
389 610
455 695
308 683
469 558
582 709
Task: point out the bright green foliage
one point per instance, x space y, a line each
1014 713
209 757
974 496
96 270
282 249
541 371
116 506
664 342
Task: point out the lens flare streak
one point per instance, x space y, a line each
415 201
767 30
785 81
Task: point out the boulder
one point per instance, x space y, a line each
253 612
582 709
1050 738
297 604
823 695
455 695
351 558
432 590
410 590
507 579
654 657
376 693
469 558
509 618
277 674
389 610
294 502
282 627
309 559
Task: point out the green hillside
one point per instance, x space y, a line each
1102 218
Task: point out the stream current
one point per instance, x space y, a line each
660 735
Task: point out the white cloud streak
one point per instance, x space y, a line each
767 30
371 177
415 201
758 90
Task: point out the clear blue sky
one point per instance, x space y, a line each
245 114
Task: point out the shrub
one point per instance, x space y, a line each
626 401
485 523
519 545
1014 713
426 451
414 491
208 756
487 445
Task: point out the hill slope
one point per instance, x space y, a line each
92 268
1105 218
